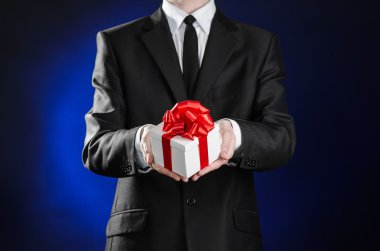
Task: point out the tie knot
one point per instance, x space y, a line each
189 19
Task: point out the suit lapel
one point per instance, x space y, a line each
220 45
160 44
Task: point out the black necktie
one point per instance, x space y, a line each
190 55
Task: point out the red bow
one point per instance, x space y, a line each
188 118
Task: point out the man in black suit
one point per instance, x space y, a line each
143 68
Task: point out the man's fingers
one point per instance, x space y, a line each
214 165
195 177
147 154
225 150
166 172
145 145
149 158
148 142
170 174
230 150
226 137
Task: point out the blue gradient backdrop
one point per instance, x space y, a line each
323 199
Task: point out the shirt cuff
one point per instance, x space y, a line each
143 167
237 132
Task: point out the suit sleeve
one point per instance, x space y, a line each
108 146
268 141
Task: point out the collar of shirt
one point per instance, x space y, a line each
203 15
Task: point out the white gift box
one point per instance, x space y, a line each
185 152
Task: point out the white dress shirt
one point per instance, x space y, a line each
175 17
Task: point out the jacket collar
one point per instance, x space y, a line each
220 45
202 15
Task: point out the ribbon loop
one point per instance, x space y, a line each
188 119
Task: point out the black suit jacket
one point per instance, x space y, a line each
137 77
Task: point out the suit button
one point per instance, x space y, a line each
129 168
248 162
190 201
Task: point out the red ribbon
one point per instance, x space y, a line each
187 119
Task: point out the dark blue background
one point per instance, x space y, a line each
323 199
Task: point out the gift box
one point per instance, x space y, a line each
187 140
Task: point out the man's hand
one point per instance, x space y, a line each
149 158
226 150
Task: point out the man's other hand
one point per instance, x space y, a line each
226 150
146 149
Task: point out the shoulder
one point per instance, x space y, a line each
252 32
130 29
252 38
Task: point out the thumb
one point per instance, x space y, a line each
224 151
